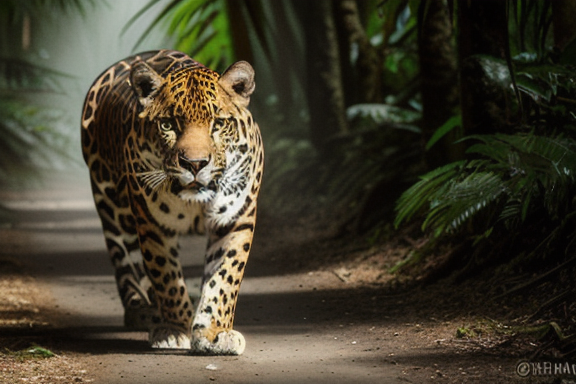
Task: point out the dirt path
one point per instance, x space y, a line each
300 325
286 323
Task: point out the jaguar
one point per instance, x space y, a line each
172 149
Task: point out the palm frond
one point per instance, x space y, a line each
198 27
34 140
531 21
20 75
416 198
515 175
39 10
462 199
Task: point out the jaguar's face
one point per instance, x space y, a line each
191 157
180 109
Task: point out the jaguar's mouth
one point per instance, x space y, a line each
189 187
185 184
194 191
195 187
188 182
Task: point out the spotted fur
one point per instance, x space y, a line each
172 148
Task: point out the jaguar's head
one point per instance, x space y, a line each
184 117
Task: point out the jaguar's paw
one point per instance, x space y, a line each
169 338
225 343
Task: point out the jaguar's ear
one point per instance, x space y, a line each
145 82
238 82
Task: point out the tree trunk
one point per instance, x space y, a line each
483 31
563 16
239 28
324 76
364 82
439 80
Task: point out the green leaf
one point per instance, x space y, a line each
453 122
462 200
40 352
532 87
199 27
413 200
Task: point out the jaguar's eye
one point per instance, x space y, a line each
166 125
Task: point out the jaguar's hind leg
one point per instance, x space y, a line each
132 282
136 293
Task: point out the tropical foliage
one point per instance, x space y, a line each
352 116
512 175
34 137
200 28
516 163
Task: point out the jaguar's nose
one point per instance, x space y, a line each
193 165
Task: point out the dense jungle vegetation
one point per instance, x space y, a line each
453 120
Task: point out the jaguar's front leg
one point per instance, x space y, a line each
226 258
159 250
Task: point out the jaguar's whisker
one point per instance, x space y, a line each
153 179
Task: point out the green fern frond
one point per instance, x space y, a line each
421 194
462 200
514 175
